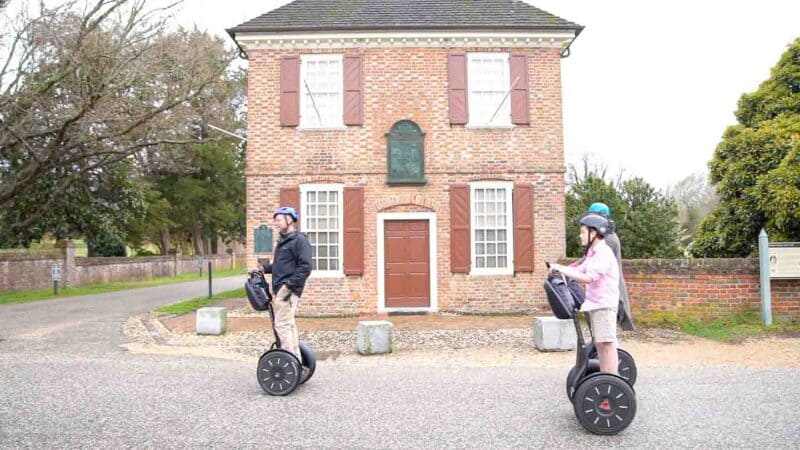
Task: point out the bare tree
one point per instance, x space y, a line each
86 85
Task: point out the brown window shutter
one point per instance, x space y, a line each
353 231
520 105
523 227
291 197
457 86
290 91
460 251
353 90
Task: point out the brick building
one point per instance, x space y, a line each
421 142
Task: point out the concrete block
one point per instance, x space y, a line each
374 337
212 320
553 335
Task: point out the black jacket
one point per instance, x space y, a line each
292 264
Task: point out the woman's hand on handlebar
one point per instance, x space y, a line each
554 268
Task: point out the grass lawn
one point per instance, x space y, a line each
47 294
731 328
194 304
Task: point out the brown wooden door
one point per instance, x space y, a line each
407 263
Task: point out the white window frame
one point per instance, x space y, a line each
339 188
307 110
508 186
501 120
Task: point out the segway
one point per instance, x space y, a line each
604 403
279 371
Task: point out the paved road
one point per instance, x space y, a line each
66 382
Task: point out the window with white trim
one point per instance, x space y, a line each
321 218
488 85
321 88
492 231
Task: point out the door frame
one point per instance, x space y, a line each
432 261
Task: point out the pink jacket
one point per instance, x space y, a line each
601 266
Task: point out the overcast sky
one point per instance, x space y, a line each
650 86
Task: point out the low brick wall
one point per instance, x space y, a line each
31 269
104 270
27 270
705 286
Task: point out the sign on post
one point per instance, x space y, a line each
784 260
55 274
775 260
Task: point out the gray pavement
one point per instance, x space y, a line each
66 382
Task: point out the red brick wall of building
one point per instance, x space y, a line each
411 83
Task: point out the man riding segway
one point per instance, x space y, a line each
289 362
290 268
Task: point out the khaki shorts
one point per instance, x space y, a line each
604 324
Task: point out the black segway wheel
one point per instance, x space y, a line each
604 404
278 372
626 367
309 361
570 382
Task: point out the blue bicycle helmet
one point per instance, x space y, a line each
287 211
600 208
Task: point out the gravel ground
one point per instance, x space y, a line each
147 328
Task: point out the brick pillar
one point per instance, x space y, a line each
69 276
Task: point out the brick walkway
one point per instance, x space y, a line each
186 323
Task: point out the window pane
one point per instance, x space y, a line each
501 249
480 249
323 238
334 264
501 262
334 237
491 249
323 252
491 261
501 235
480 235
322 264
322 224
334 250
490 235
479 195
480 262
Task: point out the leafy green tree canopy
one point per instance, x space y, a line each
756 168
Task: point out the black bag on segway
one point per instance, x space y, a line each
560 296
578 296
257 291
